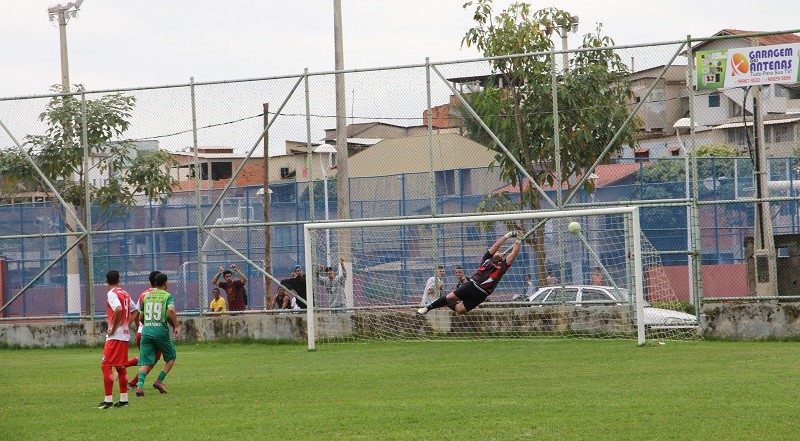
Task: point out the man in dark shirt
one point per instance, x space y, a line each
233 288
482 283
297 283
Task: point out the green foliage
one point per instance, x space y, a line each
717 150
319 191
15 173
592 96
59 154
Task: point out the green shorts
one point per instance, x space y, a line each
151 344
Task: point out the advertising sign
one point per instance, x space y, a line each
749 66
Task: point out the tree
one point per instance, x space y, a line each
59 154
592 95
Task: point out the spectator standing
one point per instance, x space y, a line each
334 285
434 287
551 278
460 277
597 277
115 350
234 289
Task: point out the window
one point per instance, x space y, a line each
783 133
737 136
713 100
562 295
221 170
466 181
445 182
593 295
786 92
641 153
542 295
286 173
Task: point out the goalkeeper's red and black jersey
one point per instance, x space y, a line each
488 274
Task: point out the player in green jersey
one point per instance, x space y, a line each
157 312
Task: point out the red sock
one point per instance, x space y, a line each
133 362
123 379
108 383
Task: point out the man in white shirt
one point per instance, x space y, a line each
434 287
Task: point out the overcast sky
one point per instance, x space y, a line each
124 43
134 43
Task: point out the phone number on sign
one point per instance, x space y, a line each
779 78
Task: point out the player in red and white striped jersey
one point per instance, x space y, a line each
115 352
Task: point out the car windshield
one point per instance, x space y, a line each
595 295
589 294
556 295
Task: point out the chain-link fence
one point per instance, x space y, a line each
417 139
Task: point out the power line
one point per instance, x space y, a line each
378 118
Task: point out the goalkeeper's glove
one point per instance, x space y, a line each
510 234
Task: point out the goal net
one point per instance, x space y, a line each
579 273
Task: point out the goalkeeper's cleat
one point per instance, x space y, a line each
105 405
160 387
422 311
139 392
121 404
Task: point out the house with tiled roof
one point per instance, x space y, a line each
612 182
719 115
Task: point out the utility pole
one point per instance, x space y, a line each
62 14
342 178
267 238
563 26
765 259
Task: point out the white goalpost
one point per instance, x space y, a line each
587 282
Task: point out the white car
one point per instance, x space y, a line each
595 295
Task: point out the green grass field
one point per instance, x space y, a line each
483 390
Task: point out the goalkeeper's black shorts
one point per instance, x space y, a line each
470 295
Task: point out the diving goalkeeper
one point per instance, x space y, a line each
469 295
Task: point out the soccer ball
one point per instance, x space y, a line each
574 227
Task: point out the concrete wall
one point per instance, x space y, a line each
59 334
750 321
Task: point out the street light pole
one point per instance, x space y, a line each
563 26
63 13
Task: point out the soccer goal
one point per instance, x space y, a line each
580 273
